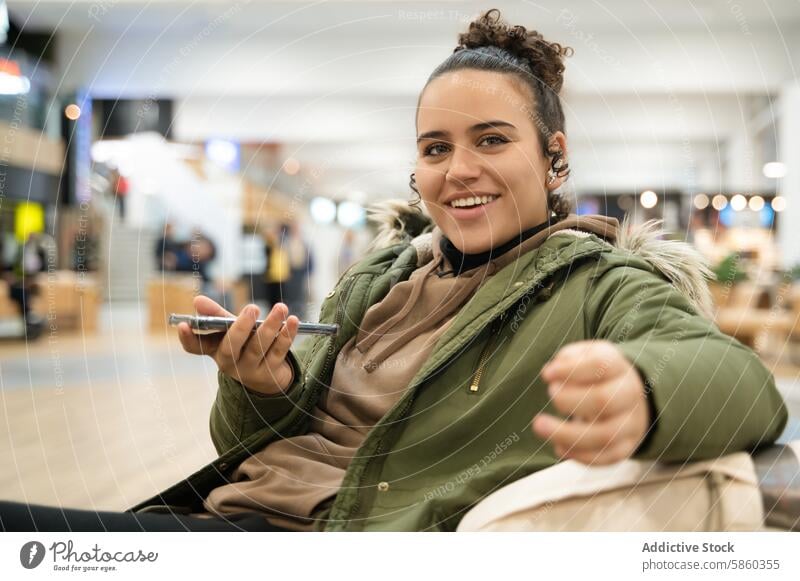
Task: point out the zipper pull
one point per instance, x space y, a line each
494 327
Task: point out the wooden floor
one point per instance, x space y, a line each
103 422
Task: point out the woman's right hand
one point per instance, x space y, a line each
256 359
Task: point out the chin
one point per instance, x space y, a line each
475 239
470 246
477 249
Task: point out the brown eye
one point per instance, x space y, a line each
499 139
431 149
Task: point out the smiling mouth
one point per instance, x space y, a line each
472 202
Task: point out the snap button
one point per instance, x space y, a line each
383 486
222 465
519 283
330 294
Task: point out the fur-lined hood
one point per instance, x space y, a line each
678 261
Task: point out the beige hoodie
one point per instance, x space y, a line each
294 480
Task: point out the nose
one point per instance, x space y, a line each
464 167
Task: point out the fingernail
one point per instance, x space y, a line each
553 388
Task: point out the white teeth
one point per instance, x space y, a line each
472 201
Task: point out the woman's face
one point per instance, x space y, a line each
476 139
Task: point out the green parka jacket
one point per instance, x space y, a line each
444 446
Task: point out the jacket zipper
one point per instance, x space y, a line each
308 406
482 360
379 449
369 465
343 297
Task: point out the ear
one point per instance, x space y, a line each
556 143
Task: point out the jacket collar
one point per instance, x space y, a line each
679 262
524 277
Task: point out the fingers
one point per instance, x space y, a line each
283 342
263 359
233 341
572 434
600 392
589 442
264 336
196 344
189 341
208 308
584 362
591 402
202 344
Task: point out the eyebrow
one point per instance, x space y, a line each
474 129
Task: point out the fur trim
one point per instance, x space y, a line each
678 261
397 222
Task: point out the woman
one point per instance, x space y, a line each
496 337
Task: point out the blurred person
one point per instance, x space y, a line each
86 249
120 186
278 265
6 251
254 266
499 317
201 251
301 265
169 252
34 257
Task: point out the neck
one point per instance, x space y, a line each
462 262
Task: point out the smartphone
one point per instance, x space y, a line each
205 325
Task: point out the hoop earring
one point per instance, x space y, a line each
412 183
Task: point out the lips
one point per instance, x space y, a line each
466 213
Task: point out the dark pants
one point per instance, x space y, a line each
21 295
19 517
275 294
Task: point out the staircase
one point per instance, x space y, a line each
127 262
130 260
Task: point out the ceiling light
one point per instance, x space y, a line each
738 203
756 203
701 201
72 112
648 199
719 202
323 210
774 169
779 203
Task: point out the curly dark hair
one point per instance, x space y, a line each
534 64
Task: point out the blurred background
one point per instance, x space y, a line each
154 150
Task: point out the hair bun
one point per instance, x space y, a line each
544 58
